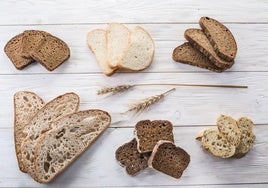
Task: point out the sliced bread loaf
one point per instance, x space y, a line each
26 104
220 37
97 43
148 133
118 40
69 138
199 40
169 159
139 54
187 54
130 158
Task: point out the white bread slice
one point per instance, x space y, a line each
118 40
41 122
70 137
26 104
140 52
97 43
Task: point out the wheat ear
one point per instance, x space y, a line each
114 90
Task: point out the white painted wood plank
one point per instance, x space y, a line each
251 38
185 106
97 166
103 11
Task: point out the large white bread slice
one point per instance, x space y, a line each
118 40
70 137
26 104
140 52
97 43
41 122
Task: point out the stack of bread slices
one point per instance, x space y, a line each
49 137
119 48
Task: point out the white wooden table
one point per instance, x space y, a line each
191 109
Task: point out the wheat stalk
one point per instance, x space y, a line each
114 90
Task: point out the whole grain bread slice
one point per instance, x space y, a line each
70 137
199 40
169 159
26 104
130 158
220 37
13 51
148 133
187 54
42 122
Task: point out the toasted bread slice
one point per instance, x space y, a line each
187 54
26 104
69 138
220 37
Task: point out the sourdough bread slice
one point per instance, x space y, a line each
69 138
199 40
130 158
26 104
139 54
229 129
13 51
41 122
148 133
169 159
187 54
118 40
97 43
220 37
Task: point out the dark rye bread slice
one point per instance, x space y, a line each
13 51
220 37
199 40
169 159
130 158
51 53
148 133
187 54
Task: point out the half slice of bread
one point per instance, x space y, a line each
26 104
229 129
187 54
97 43
169 159
69 138
41 122
220 37
148 133
130 158
118 40
13 51
140 52
199 40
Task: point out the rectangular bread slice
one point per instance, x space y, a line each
70 137
26 105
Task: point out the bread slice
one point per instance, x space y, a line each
245 126
187 54
51 53
13 51
199 40
130 158
41 122
148 133
220 37
97 43
31 40
140 52
118 40
215 143
169 159
229 129
69 138
26 104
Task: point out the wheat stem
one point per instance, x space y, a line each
194 85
